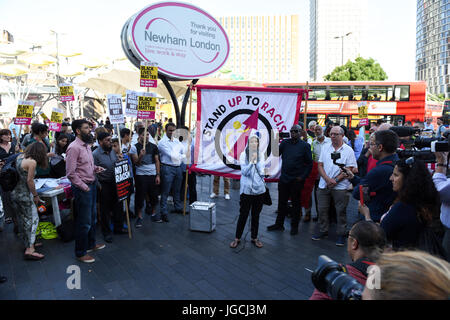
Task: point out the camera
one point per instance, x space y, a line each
426 155
330 278
436 144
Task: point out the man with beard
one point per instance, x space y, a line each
81 172
105 157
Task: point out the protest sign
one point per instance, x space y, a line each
56 120
44 116
131 104
146 105
363 113
228 116
66 92
149 75
24 112
115 108
124 180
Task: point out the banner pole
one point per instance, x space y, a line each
126 200
146 128
306 107
189 152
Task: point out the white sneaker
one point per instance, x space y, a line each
213 195
227 197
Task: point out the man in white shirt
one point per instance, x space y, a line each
333 184
172 156
319 142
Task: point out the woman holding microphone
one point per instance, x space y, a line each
252 190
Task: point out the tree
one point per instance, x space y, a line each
359 70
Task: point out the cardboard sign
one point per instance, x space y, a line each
124 179
146 106
131 104
66 92
24 113
46 119
115 108
149 75
56 120
363 114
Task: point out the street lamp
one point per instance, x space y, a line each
342 38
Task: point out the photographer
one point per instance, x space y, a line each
411 275
366 242
383 145
442 185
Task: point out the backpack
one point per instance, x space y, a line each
9 176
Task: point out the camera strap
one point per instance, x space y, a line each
362 265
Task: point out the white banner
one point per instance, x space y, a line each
115 108
131 104
228 116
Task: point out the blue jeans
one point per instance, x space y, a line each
85 208
171 178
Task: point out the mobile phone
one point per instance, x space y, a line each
364 195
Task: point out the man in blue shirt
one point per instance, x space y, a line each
383 146
296 166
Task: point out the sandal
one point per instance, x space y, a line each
257 243
235 243
38 244
33 256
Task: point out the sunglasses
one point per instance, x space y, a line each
295 131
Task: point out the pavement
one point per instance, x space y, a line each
167 261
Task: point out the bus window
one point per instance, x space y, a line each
359 93
340 93
401 93
378 93
317 93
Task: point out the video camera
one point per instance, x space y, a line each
435 144
330 278
335 156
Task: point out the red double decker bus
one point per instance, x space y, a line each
395 102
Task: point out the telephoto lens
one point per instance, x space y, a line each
331 278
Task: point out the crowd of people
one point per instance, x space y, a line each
404 202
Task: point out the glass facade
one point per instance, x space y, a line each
433 45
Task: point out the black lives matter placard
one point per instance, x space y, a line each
124 180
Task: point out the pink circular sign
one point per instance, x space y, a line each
182 40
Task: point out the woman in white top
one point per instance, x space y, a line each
252 190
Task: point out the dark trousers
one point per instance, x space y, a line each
247 203
110 208
292 190
192 187
85 218
145 186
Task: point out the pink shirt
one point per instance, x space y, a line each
80 168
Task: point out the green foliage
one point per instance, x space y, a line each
359 70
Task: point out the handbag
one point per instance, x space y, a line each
267 200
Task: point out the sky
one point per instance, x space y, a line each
94 26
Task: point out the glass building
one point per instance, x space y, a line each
338 30
266 48
433 45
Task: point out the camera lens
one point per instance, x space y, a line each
330 278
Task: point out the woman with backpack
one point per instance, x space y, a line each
25 198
